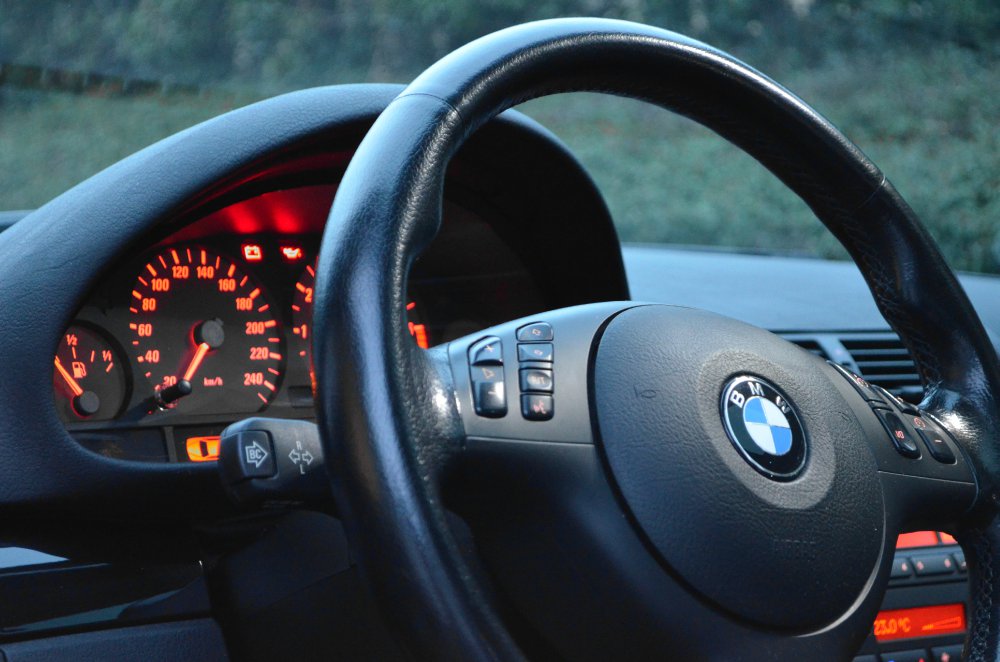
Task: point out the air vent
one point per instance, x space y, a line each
810 345
882 359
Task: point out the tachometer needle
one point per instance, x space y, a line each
74 386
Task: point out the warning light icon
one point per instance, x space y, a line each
292 253
253 252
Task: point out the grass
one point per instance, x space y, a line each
49 143
928 119
929 122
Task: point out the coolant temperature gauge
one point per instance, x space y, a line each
89 376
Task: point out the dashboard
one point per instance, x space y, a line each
213 323
204 318
222 307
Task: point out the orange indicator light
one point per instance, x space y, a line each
292 253
203 449
252 253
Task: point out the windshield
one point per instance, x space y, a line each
914 83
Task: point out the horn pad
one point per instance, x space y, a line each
791 548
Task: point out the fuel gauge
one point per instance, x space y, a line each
89 377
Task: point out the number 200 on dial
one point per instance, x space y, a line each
203 333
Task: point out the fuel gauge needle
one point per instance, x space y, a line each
85 403
74 386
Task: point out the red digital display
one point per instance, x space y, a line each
920 539
920 622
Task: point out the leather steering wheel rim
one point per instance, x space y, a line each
387 414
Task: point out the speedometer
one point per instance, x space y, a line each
203 334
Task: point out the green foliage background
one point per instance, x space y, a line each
915 83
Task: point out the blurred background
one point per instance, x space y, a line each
915 84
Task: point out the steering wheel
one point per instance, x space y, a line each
642 480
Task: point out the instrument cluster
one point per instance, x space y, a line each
213 323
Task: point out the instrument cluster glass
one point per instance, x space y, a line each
220 327
204 334
214 323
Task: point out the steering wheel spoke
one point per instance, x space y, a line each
527 380
926 475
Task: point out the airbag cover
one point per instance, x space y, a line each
795 554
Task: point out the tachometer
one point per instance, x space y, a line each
302 312
302 309
203 334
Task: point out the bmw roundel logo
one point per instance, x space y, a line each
763 425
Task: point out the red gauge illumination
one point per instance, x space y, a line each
89 376
253 252
292 253
418 331
204 335
302 309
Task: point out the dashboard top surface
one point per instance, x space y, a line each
778 293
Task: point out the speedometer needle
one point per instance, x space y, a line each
209 335
199 356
